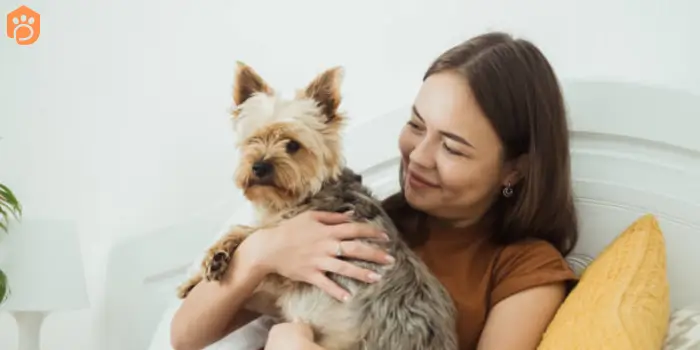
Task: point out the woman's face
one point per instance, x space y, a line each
451 156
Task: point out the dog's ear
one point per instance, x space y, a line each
325 89
246 83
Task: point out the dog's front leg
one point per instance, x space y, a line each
217 259
184 289
219 255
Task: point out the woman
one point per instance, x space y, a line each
486 201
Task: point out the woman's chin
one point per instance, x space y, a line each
416 200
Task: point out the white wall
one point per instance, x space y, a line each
117 116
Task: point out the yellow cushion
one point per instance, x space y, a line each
622 299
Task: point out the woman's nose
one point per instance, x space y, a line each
423 155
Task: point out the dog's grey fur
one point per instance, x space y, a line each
408 309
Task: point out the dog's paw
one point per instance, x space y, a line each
216 265
218 258
184 289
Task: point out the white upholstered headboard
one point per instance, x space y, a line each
635 150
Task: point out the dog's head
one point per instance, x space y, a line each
289 147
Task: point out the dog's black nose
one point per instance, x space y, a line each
262 169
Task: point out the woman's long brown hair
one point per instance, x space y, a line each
518 91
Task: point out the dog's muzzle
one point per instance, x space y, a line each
262 169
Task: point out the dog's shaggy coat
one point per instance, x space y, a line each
298 142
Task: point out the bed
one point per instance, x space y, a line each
635 150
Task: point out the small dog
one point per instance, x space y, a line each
292 162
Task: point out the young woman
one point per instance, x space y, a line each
486 201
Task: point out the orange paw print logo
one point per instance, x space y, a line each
23 25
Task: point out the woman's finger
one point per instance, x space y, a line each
329 218
357 230
333 289
350 270
361 251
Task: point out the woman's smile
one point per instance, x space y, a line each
418 182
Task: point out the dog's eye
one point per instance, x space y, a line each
293 146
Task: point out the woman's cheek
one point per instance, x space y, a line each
405 143
450 174
458 175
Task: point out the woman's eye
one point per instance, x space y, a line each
293 146
450 150
414 126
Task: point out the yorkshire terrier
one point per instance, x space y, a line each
291 162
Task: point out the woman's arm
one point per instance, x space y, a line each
291 336
302 249
205 315
519 321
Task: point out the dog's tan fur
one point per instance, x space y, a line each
299 143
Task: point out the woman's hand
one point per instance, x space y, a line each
303 248
291 336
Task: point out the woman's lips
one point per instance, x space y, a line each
418 181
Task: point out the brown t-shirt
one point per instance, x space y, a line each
479 273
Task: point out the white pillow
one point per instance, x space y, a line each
684 329
250 337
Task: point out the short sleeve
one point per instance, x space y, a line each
526 265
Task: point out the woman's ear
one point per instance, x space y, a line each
515 170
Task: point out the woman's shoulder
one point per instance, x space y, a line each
526 264
531 249
529 256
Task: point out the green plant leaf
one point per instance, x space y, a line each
9 198
9 205
9 208
4 287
